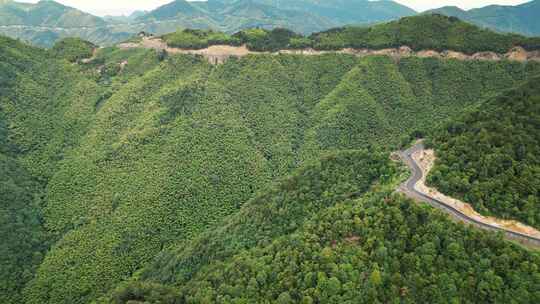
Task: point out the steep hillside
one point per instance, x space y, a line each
230 17
43 111
301 16
319 237
521 19
170 140
344 11
24 239
490 157
423 32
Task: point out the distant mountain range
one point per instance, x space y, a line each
47 21
523 19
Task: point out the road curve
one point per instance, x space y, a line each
408 188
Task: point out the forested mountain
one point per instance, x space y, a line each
341 12
420 33
300 16
45 13
47 21
490 157
522 19
145 176
229 17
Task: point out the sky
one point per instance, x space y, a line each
123 7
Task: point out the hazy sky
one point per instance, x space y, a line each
119 7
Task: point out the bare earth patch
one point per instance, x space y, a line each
426 159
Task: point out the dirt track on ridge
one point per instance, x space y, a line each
217 54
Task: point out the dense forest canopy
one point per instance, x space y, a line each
308 240
121 169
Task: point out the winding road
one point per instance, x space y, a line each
409 189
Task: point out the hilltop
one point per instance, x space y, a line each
426 33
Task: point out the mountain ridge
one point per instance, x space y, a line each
521 18
215 14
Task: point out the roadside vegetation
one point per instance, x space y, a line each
490 157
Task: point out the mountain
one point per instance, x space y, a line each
53 97
47 21
419 33
424 32
522 19
345 11
145 177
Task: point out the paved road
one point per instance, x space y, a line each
408 189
